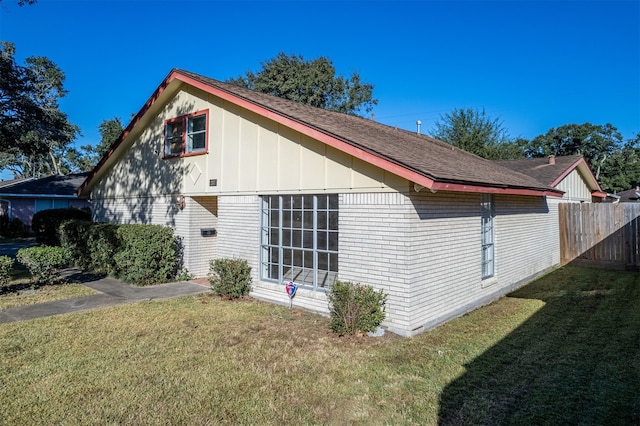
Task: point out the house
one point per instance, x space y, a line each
22 198
313 196
570 174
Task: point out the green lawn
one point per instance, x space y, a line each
562 350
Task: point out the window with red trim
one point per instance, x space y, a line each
186 135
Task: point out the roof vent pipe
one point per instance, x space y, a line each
552 159
419 123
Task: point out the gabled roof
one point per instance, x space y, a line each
551 170
47 187
425 161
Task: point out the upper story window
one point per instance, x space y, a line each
186 135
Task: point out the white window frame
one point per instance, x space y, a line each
487 232
299 240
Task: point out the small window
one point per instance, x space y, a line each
186 135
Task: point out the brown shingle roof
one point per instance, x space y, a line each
437 161
540 168
420 153
630 195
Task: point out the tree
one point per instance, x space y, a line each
623 167
34 133
474 131
110 130
310 82
596 143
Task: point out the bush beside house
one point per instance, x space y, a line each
355 308
137 254
230 278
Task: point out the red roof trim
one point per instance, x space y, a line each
599 194
463 187
359 153
154 97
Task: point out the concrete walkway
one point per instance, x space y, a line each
111 293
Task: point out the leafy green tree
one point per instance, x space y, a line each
34 133
474 131
89 156
310 82
623 167
596 143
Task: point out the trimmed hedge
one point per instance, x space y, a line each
44 262
147 254
45 223
102 246
137 254
73 236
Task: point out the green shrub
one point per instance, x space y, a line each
74 235
45 223
102 246
230 278
355 308
6 263
44 262
146 255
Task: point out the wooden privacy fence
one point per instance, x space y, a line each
604 235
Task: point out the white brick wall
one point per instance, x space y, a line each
422 249
200 213
447 252
375 248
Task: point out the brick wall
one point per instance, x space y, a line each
422 249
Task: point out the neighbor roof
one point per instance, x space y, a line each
50 186
425 161
10 182
551 170
630 195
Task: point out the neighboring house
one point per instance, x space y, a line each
312 196
630 195
570 174
22 198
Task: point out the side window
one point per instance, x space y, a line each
487 225
186 135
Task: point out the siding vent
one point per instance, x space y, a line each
213 182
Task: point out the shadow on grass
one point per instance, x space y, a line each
575 361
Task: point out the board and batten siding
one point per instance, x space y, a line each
247 155
575 187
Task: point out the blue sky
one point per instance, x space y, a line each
532 64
